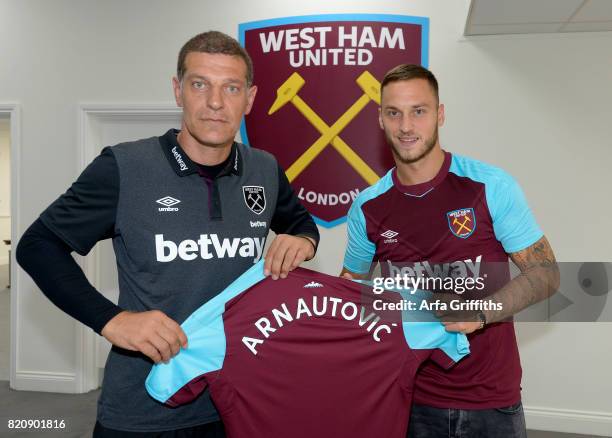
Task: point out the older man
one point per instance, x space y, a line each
188 212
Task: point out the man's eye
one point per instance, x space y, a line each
233 89
392 113
419 111
198 85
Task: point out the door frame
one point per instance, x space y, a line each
12 110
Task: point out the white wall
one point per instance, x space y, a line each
5 185
537 105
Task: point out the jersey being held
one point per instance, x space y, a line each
302 357
464 222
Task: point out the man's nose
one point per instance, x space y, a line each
406 123
215 98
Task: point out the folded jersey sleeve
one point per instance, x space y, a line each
446 348
184 377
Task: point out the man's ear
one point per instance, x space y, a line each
251 92
176 86
441 115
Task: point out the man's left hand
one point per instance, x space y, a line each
461 327
460 321
286 253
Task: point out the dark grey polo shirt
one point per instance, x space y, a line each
180 237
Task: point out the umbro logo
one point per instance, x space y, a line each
313 284
168 202
389 236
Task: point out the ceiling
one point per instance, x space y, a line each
498 17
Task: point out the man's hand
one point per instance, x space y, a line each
461 327
152 333
346 275
286 253
353 275
460 321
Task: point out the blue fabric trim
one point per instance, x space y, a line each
360 250
206 343
424 331
430 335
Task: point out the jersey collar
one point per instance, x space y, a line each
420 190
182 164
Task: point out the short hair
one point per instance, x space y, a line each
406 72
214 42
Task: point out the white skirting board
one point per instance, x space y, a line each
45 382
569 421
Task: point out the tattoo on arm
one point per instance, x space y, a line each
539 279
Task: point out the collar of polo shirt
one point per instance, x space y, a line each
183 165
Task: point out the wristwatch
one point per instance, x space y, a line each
482 318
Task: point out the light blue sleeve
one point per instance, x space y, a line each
514 225
206 342
513 222
360 250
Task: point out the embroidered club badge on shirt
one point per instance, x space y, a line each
255 198
462 222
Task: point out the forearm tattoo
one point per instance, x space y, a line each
539 279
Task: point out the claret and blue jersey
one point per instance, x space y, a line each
304 356
465 221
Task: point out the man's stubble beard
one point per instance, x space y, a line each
429 145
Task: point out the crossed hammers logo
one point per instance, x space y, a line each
288 92
255 200
462 225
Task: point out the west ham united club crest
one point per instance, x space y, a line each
255 198
318 97
462 222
